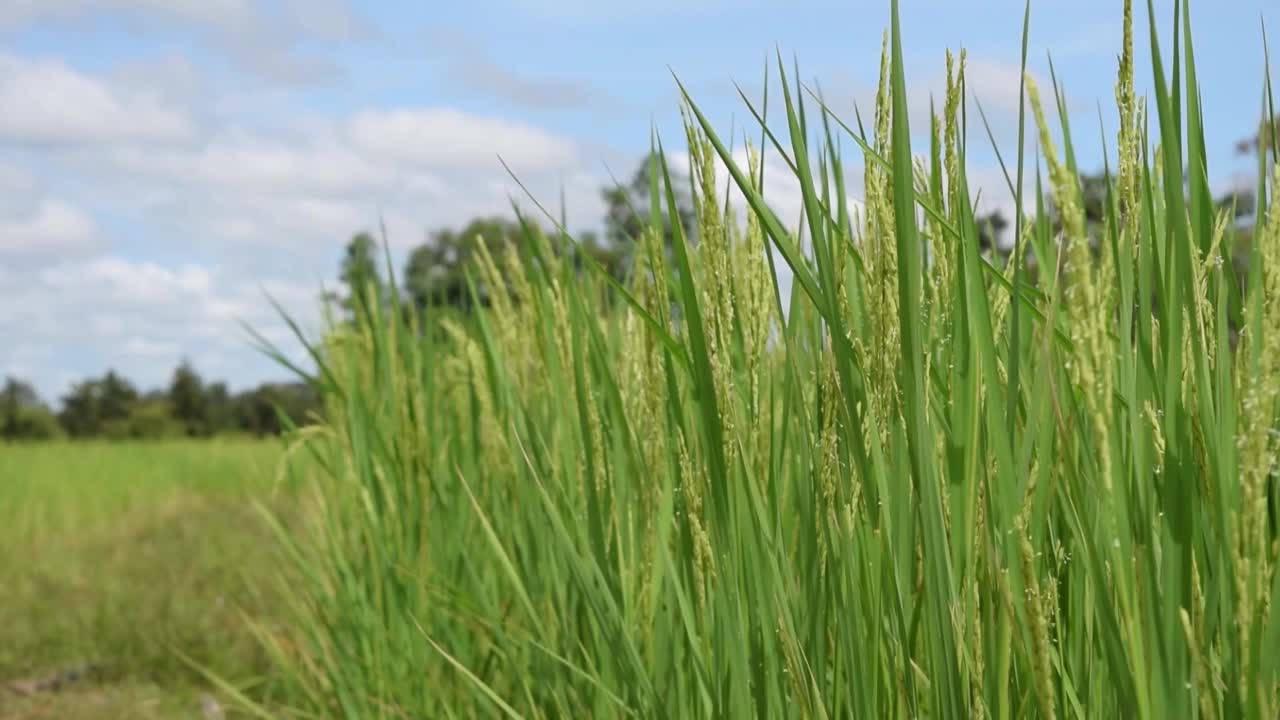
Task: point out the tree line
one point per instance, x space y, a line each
111 407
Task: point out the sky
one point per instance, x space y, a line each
166 165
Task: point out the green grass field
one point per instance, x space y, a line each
129 557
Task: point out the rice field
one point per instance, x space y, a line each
920 482
128 569
921 479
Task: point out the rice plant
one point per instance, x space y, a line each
922 482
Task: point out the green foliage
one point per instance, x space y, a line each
259 411
31 423
111 407
23 416
436 275
991 228
188 403
436 272
916 485
152 419
16 395
627 207
359 269
93 407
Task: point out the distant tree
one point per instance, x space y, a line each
613 257
436 272
1263 140
258 410
990 228
187 399
1093 192
218 408
1093 200
111 407
627 212
22 415
119 399
359 271
81 414
118 396
17 394
98 407
152 418
1241 203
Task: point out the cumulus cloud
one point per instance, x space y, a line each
46 101
595 11
996 84
37 226
291 198
53 227
221 13
148 348
265 39
446 138
253 163
123 282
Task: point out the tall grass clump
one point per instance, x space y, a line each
923 482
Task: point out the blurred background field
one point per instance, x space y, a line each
117 560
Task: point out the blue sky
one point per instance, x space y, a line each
163 162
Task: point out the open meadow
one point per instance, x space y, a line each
119 559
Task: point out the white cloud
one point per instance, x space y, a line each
15 180
144 347
266 39
45 101
120 281
223 13
107 324
254 164
596 11
290 198
446 138
53 227
996 84
332 19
